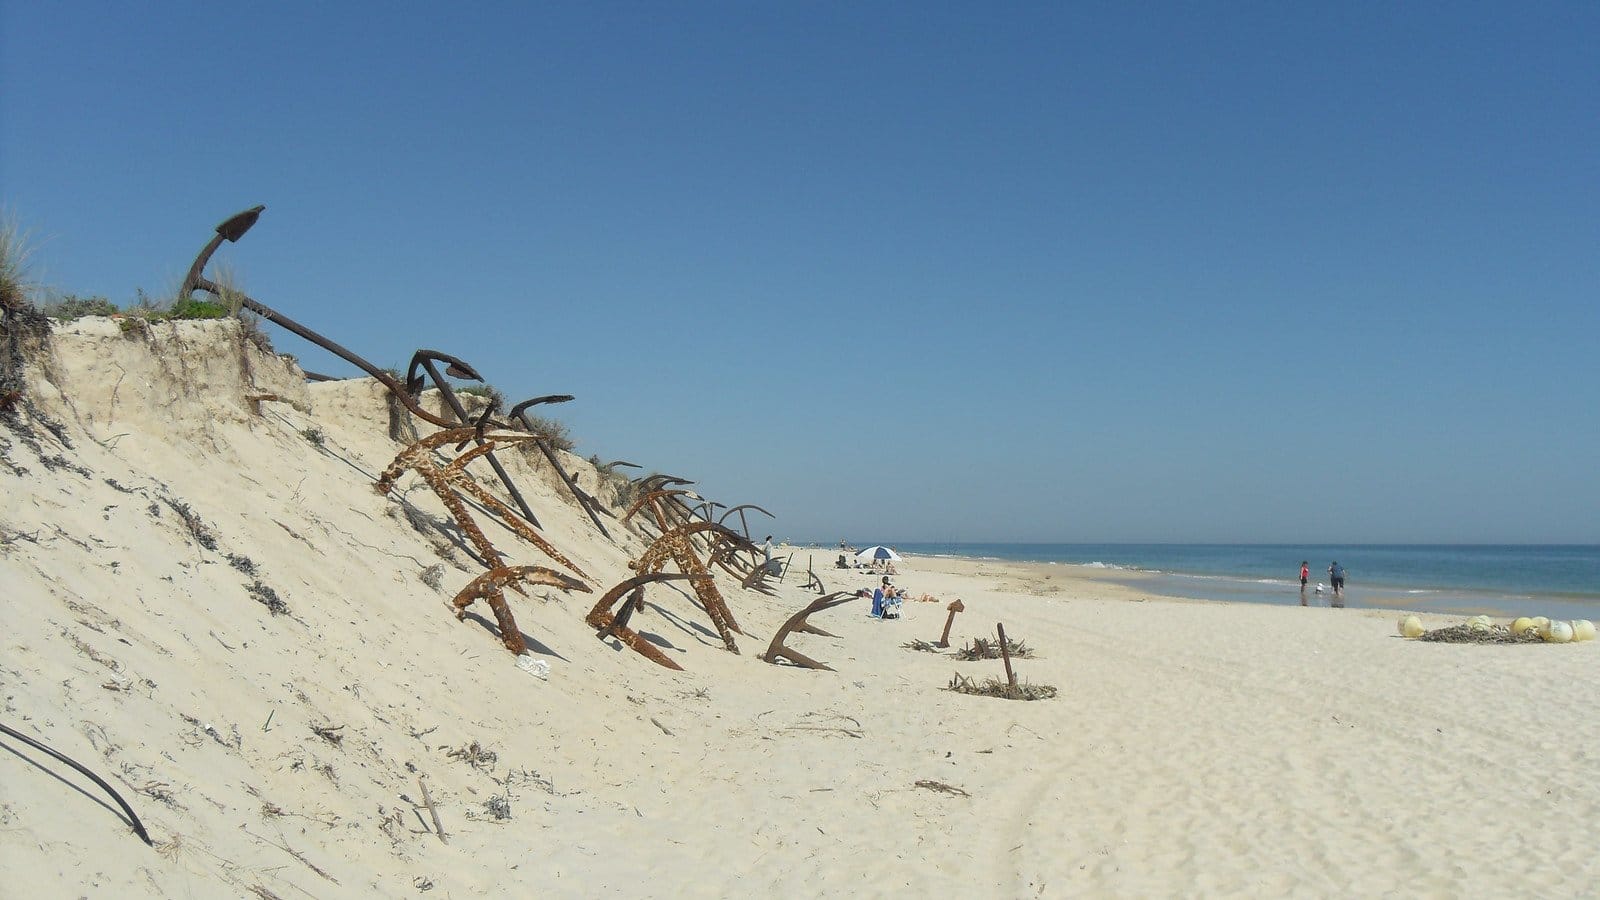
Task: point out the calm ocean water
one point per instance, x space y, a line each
1555 580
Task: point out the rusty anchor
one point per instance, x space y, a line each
459 368
725 550
616 624
450 481
722 544
742 523
797 622
676 546
234 228
519 413
604 471
664 514
490 587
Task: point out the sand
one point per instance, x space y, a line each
1194 748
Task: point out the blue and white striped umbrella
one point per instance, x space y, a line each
877 552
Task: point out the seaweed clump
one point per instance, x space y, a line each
1466 634
984 648
994 687
24 330
267 597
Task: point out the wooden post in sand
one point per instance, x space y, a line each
954 607
1005 655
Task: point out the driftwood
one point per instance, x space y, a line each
438 826
941 787
797 622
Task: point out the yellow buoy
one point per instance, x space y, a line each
1582 630
1410 626
1479 624
1522 624
1559 633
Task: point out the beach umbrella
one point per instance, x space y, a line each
877 552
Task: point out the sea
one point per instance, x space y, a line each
1561 581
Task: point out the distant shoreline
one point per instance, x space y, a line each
1440 578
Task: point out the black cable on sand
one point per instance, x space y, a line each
137 825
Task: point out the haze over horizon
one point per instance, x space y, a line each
1258 273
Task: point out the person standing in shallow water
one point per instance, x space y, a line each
1336 577
1305 576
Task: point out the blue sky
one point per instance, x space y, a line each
1096 272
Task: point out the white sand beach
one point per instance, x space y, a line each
1194 748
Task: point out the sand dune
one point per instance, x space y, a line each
1194 748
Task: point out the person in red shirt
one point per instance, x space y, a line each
1305 575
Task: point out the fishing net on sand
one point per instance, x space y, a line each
1466 634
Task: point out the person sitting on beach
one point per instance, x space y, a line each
888 567
892 598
